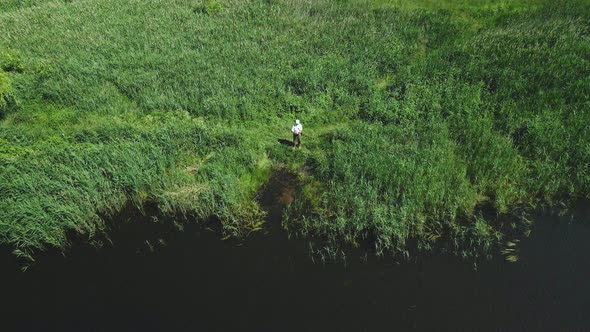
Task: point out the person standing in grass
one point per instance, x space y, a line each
297 130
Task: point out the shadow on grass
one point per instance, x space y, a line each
285 142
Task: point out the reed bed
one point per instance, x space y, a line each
419 115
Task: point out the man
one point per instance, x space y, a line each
297 130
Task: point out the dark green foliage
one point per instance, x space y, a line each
209 7
55 181
9 62
418 114
388 183
8 101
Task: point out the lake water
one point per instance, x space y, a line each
153 278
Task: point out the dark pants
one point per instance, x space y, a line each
296 140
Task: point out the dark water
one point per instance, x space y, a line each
192 281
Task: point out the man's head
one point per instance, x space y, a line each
297 121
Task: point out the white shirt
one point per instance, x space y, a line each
297 129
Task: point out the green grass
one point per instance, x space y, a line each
417 113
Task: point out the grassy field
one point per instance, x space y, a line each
418 115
